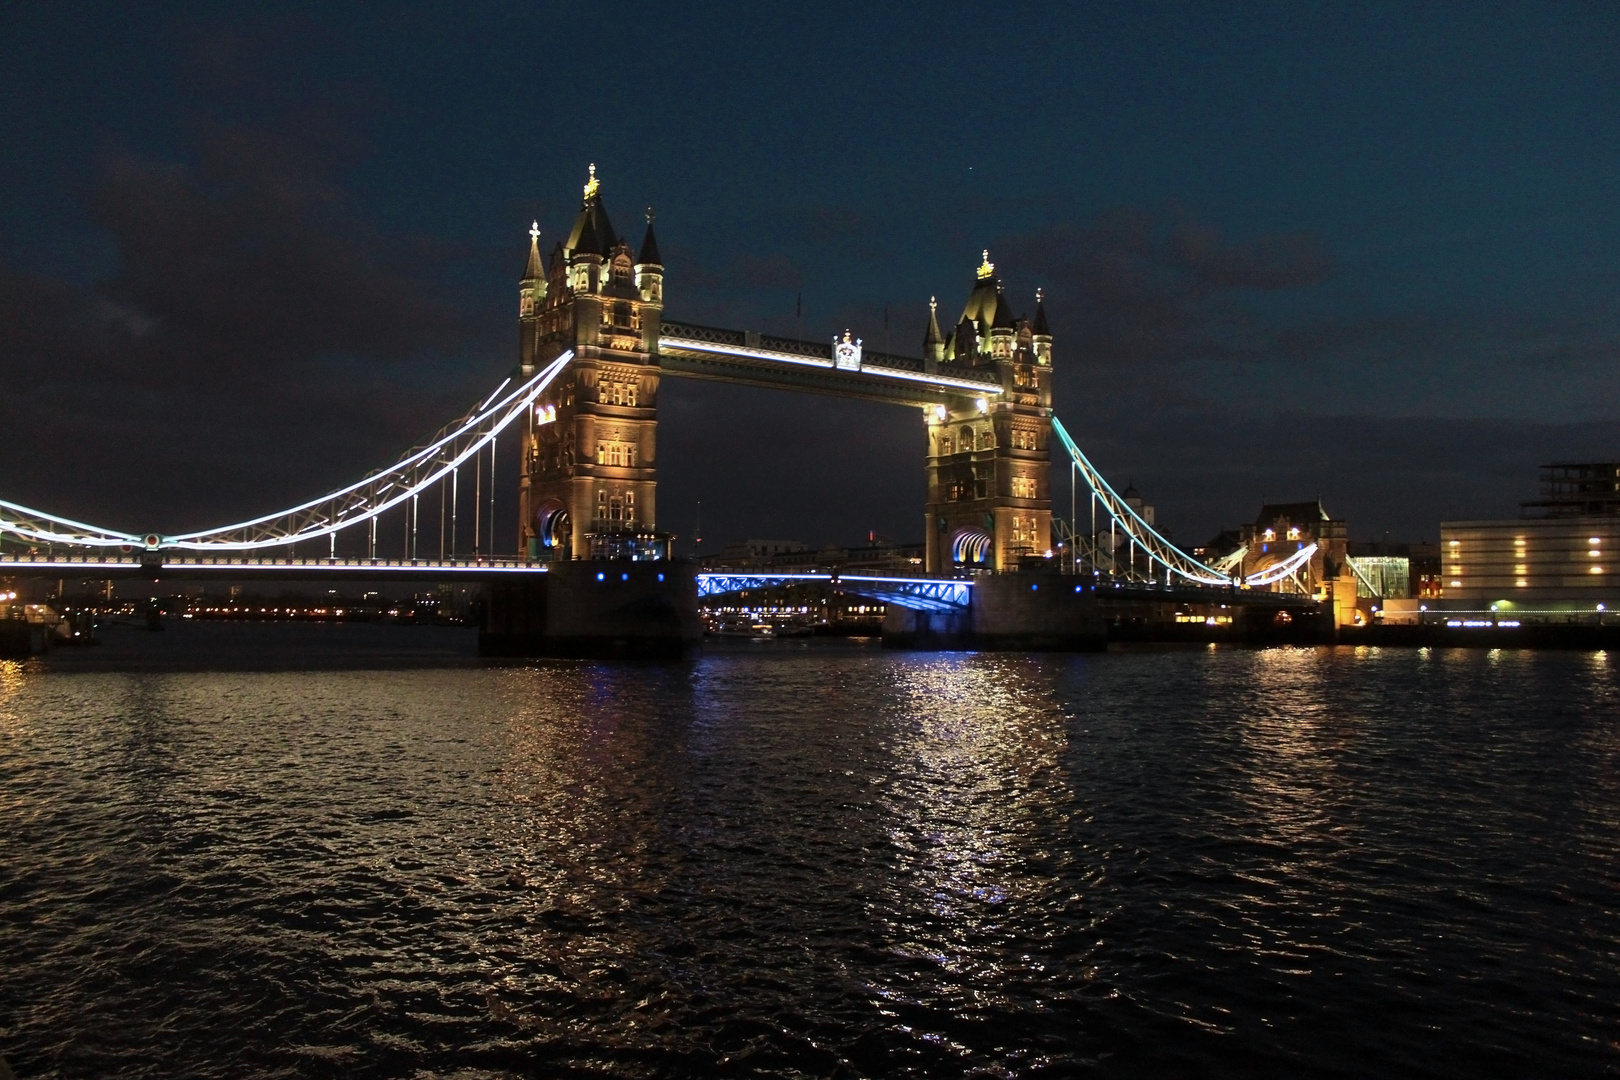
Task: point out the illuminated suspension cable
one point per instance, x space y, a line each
420 468
1136 529
30 524
1286 568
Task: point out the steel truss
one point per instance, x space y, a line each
40 527
919 594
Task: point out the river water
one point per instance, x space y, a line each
373 856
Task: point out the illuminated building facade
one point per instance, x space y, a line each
989 502
1552 563
1283 529
1560 556
589 480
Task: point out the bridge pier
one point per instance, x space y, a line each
597 609
1024 612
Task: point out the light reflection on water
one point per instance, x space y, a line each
817 862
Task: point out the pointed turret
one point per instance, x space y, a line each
650 266
1041 336
1004 318
592 234
981 304
933 341
532 287
649 245
534 271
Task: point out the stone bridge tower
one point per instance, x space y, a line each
589 479
989 495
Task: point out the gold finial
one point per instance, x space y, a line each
986 268
1040 296
933 303
592 184
649 215
534 233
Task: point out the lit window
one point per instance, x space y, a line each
1293 533
1456 584
1454 543
1597 569
1520 583
1595 541
1271 534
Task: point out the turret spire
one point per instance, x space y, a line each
534 270
649 244
593 184
1040 326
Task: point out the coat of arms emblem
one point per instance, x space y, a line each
847 353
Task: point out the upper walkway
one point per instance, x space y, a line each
849 370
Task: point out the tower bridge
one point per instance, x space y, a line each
582 404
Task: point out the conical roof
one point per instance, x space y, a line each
593 233
1004 318
1040 314
534 271
649 244
932 335
983 300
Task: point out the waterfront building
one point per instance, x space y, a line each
1383 577
1561 558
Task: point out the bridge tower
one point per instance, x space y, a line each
989 495
589 479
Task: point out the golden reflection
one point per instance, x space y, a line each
12 677
1294 729
579 815
977 788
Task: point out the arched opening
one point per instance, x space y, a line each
554 530
971 548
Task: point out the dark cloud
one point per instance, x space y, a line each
1269 263
767 272
1134 288
258 340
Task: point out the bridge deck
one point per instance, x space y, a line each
205 567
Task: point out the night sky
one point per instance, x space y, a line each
1367 252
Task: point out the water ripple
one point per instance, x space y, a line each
819 862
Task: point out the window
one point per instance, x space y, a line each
1023 376
1023 487
966 439
1023 530
1023 439
621 454
617 392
